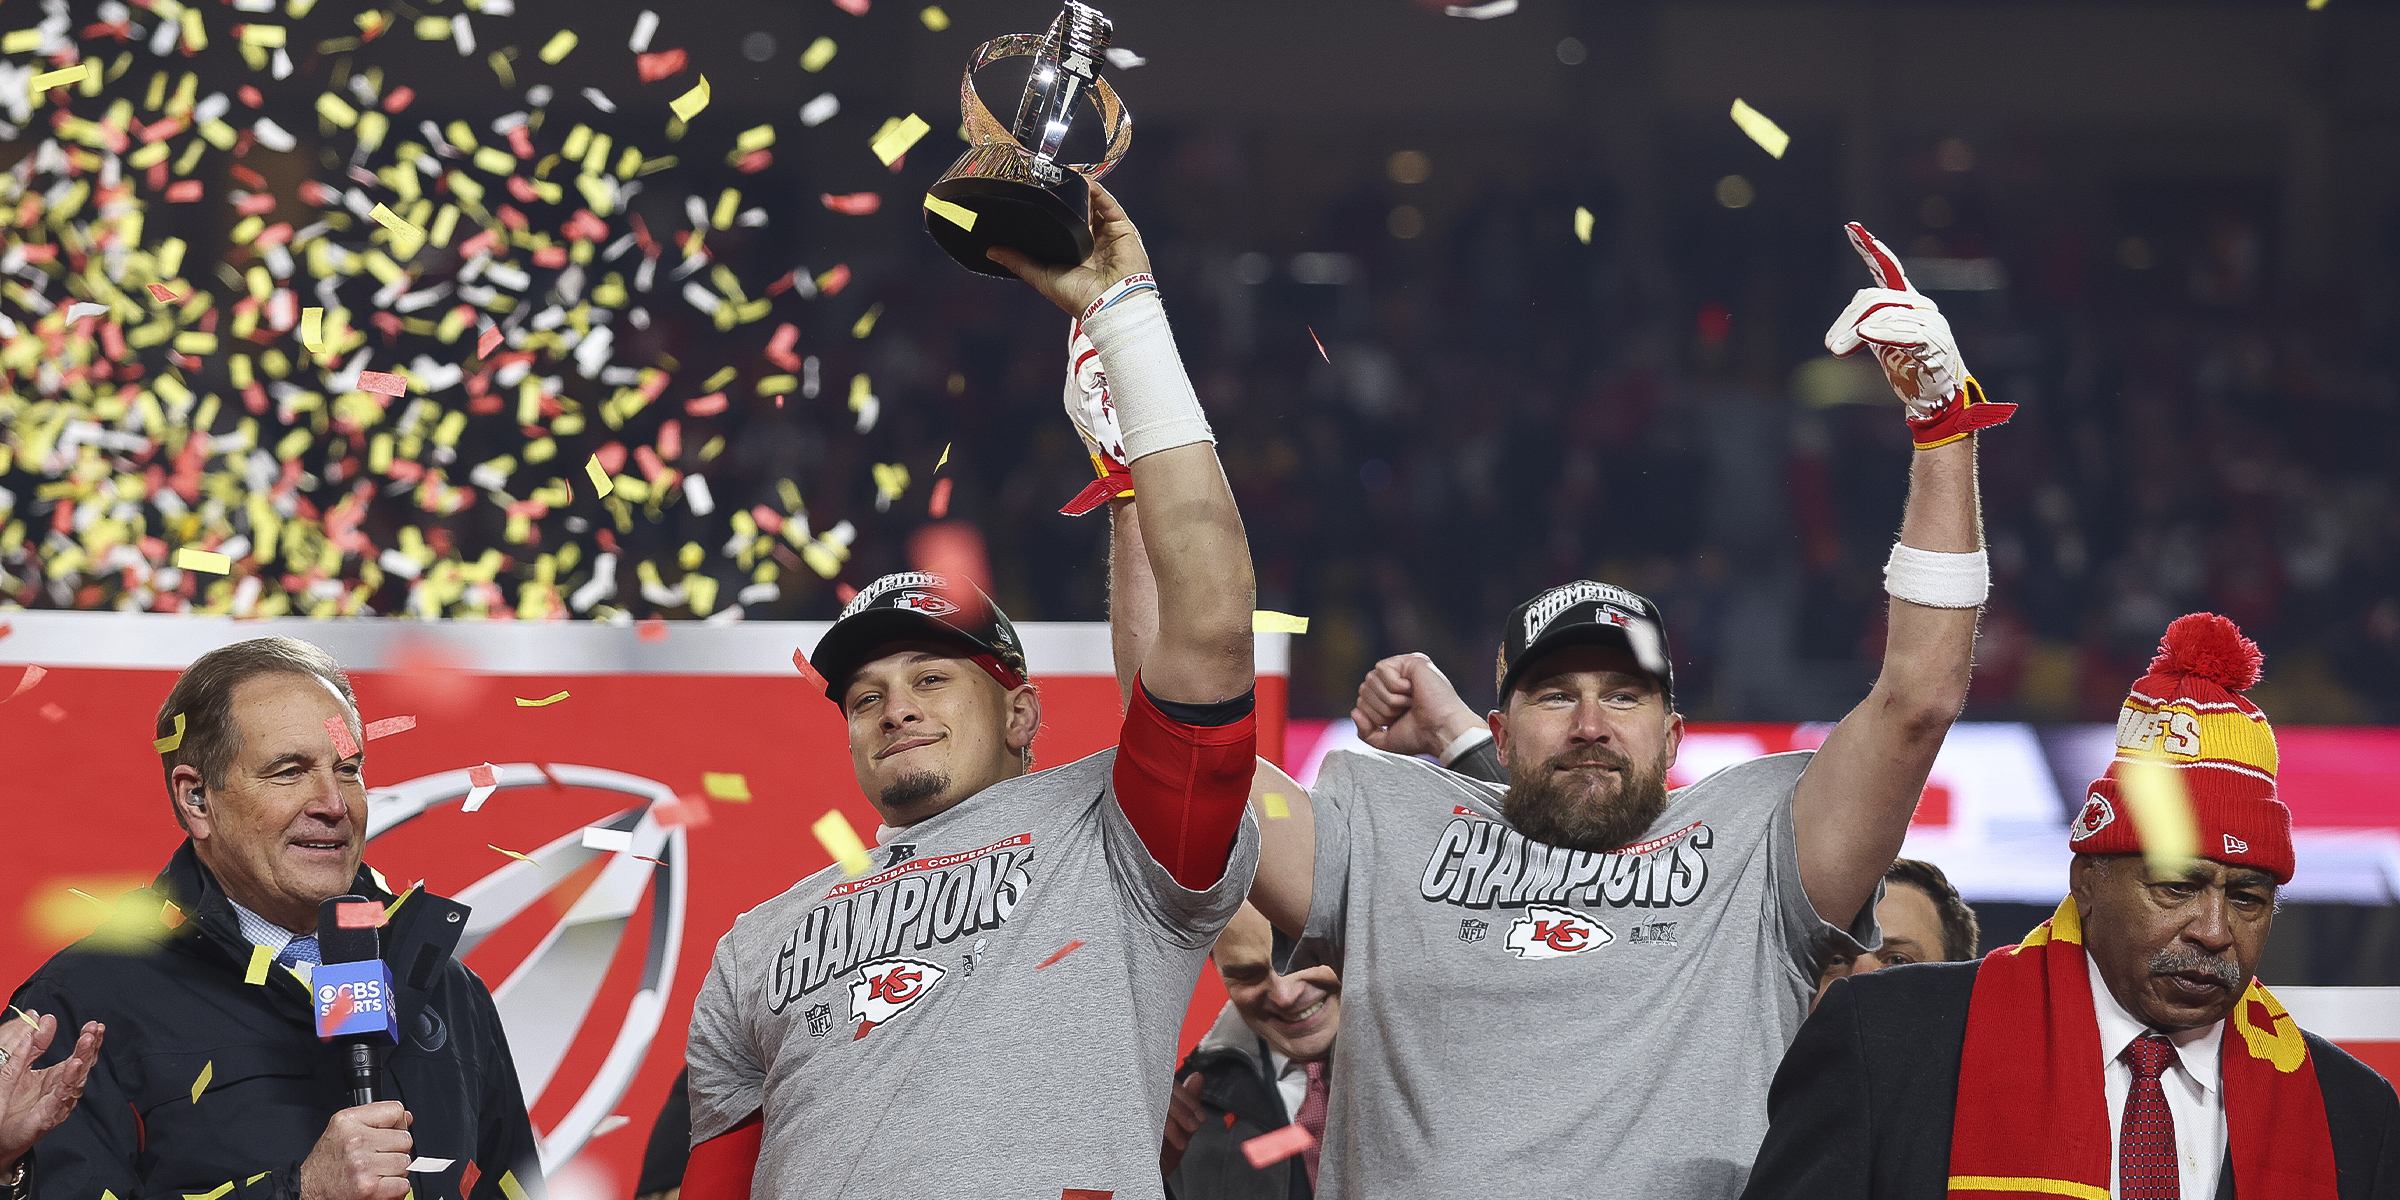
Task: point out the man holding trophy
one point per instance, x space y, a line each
991 1008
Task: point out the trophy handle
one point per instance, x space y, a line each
984 129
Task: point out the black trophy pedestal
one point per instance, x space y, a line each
1047 224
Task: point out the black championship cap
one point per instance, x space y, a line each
1583 611
919 606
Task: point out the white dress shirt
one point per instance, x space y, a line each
261 931
2193 1084
1291 1079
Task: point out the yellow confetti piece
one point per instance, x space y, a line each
208 561
834 833
1277 808
599 474
935 19
208 1071
173 741
24 1016
944 460
214 1192
509 1186
957 215
724 786
513 854
1264 621
812 60
260 959
689 104
2314 5
2162 813
544 702
63 77
403 233
1769 136
1583 225
866 320
399 900
312 329
558 47
897 135
22 41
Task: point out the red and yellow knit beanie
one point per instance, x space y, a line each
2188 713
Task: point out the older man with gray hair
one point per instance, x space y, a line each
212 1081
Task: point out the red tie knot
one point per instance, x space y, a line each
2149 1055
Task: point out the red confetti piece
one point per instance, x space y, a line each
489 342
1086 1194
856 8
359 914
400 98
164 294
844 592
32 676
653 629
339 1011
611 456
53 713
1063 951
779 347
939 506
705 406
483 775
800 664
339 731
831 282
1312 336
382 383
755 161
389 726
6 629
654 67
550 775
251 96
687 812
1273 1147
852 204
182 192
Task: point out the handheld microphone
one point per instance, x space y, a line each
354 991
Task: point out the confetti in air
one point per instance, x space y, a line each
544 702
1062 952
841 841
1583 225
173 741
1266 621
25 682
610 841
482 781
725 786
339 730
1481 12
1278 1144
1277 808
1769 136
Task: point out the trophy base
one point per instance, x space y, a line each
1046 224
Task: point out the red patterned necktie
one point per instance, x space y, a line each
2147 1166
1312 1118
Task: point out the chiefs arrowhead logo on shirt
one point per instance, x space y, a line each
888 987
1547 931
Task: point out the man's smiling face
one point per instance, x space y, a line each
929 728
286 828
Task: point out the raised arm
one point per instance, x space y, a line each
1190 530
1854 802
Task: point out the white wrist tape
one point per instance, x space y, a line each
1156 406
1937 580
1464 742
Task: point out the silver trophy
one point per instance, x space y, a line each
1010 180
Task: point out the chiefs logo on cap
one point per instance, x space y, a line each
925 602
2095 817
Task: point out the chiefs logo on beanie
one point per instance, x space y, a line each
2188 713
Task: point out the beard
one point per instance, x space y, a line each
1566 809
912 789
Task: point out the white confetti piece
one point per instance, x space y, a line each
430 1164
643 27
610 841
820 110
1481 12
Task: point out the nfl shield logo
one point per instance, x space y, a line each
1472 930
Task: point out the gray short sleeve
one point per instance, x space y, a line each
1329 892
1186 917
728 1082
1808 937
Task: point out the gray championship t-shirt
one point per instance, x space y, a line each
1546 1022
991 1013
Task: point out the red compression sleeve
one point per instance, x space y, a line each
722 1167
1184 787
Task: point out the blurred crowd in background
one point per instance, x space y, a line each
1458 347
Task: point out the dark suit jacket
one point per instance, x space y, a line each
1863 1102
1234 1084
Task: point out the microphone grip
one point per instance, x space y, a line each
365 1076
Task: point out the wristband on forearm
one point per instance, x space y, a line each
1156 406
1937 580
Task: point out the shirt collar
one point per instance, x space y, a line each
259 930
2196 1049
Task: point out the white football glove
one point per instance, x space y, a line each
1913 343
1096 423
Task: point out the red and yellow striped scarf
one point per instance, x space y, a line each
2033 1120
